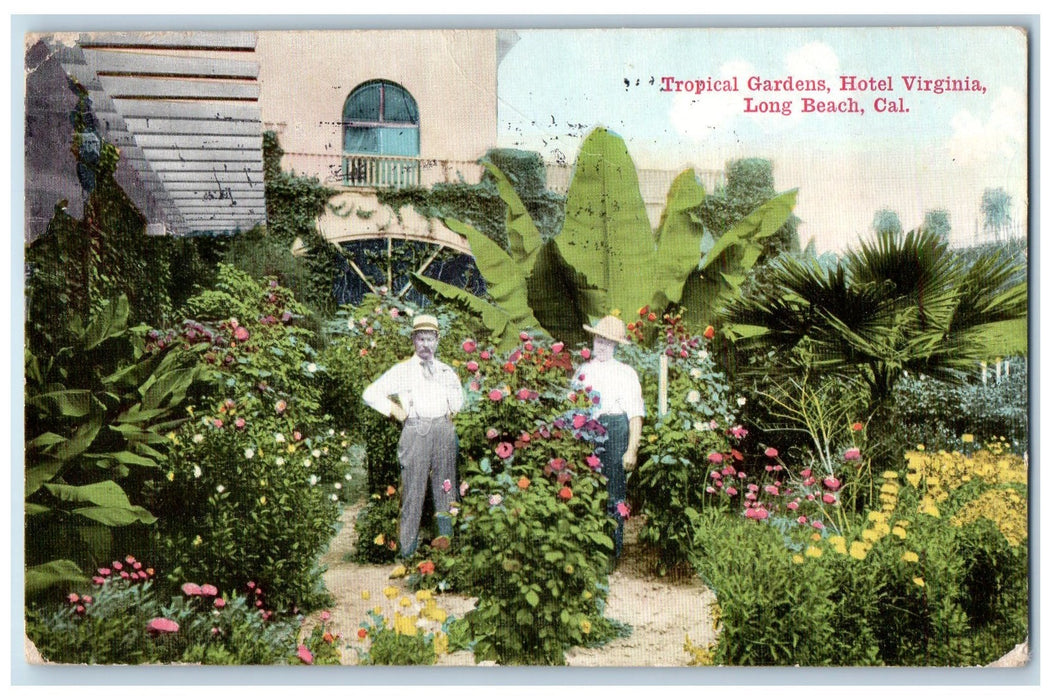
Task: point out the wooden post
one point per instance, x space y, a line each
662 389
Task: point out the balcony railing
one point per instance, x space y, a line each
367 170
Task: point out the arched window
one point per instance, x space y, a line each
381 135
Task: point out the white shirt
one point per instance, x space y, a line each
421 396
617 385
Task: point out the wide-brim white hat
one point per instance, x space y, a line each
610 328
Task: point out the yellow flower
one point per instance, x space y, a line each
390 592
291 449
919 582
404 624
441 643
899 532
585 625
816 537
398 571
377 610
587 595
197 541
405 601
920 447
839 543
890 475
423 594
171 476
797 558
433 612
365 595
171 436
859 550
379 539
262 500
652 438
615 312
189 409
814 552
876 516
869 534
910 556
966 437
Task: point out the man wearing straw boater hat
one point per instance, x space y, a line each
620 411
428 394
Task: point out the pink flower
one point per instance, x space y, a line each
463 488
326 616
495 395
523 394
731 491
472 366
98 580
504 450
475 386
73 598
469 346
239 423
523 336
817 525
302 652
857 426
623 510
738 431
770 489
852 453
280 406
485 355
770 452
802 520
579 419
585 353
447 486
495 499
162 625
792 505
715 457
218 423
593 461
219 603
209 589
557 347
241 333
394 313
491 434
828 498
104 571
191 589
832 483
715 475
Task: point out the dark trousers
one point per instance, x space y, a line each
612 455
427 449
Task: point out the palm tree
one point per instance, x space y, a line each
899 304
996 211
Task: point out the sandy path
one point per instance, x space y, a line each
661 611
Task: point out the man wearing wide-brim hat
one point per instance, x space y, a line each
428 394
620 411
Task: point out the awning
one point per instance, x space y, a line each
183 108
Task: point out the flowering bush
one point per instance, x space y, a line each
532 523
404 631
121 619
933 574
377 528
669 484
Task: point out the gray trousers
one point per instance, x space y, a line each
427 448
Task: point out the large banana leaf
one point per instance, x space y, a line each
53 573
606 238
105 502
522 235
679 236
501 329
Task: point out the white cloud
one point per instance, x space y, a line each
698 117
1000 136
814 60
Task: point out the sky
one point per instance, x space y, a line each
554 86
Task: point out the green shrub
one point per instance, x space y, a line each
125 620
377 528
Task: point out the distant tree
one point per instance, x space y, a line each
996 211
937 222
887 221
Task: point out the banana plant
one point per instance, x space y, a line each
97 413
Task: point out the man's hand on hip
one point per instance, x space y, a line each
398 412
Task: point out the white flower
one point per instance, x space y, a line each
278 437
701 427
316 453
350 323
347 476
334 497
741 401
372 344
344 459
198 438
410 312
220 488
280 461
331 431
197 471
703 354
312 367
249 453
694 396
695 373
307 462
337 486
313 479
453 510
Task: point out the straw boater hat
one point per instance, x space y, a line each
424 322
610 328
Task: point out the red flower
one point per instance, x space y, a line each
557 347
565 493
832 483
241 333
426 567
326 616
191 589
593 461
645 310
857 426
304 654
523 335
523 483
362 633
469 345
585 353
472 366
162 625
523 394
484 355
504 450
579 419
495 395
509 367
709 332
715 458
770 452
852 453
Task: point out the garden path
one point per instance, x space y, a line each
661 611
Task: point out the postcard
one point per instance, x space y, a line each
607 347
